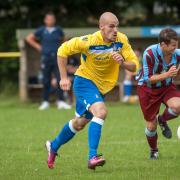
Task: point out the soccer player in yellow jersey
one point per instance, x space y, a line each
102 54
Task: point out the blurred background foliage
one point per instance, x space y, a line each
16 14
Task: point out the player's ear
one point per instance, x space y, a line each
163 44
100 26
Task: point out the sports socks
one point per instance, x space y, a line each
152 139
168 114
94 135
66 134
127 87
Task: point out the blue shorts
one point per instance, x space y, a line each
86 93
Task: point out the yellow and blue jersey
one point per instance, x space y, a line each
97 63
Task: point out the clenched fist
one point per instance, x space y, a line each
65 84
117 57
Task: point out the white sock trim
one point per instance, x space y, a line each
98 120
127 82
150 133
71 127
77 115
87 107
172 112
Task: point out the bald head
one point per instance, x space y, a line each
108 24
107 17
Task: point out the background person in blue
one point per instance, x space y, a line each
46 39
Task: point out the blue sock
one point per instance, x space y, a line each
63 137
94 135
127 87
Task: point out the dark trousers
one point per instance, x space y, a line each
49 68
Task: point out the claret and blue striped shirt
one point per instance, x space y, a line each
153 63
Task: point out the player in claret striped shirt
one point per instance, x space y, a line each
155 86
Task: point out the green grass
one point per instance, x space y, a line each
24 130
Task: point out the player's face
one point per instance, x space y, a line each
49 20
170 48
109 31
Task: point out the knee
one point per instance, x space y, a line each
79 123
128 77
99 110
101 113
152 126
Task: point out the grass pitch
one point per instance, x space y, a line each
24 130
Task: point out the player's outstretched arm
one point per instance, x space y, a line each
68 48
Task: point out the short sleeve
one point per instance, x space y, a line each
128 53
61 32
73 46
38 33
